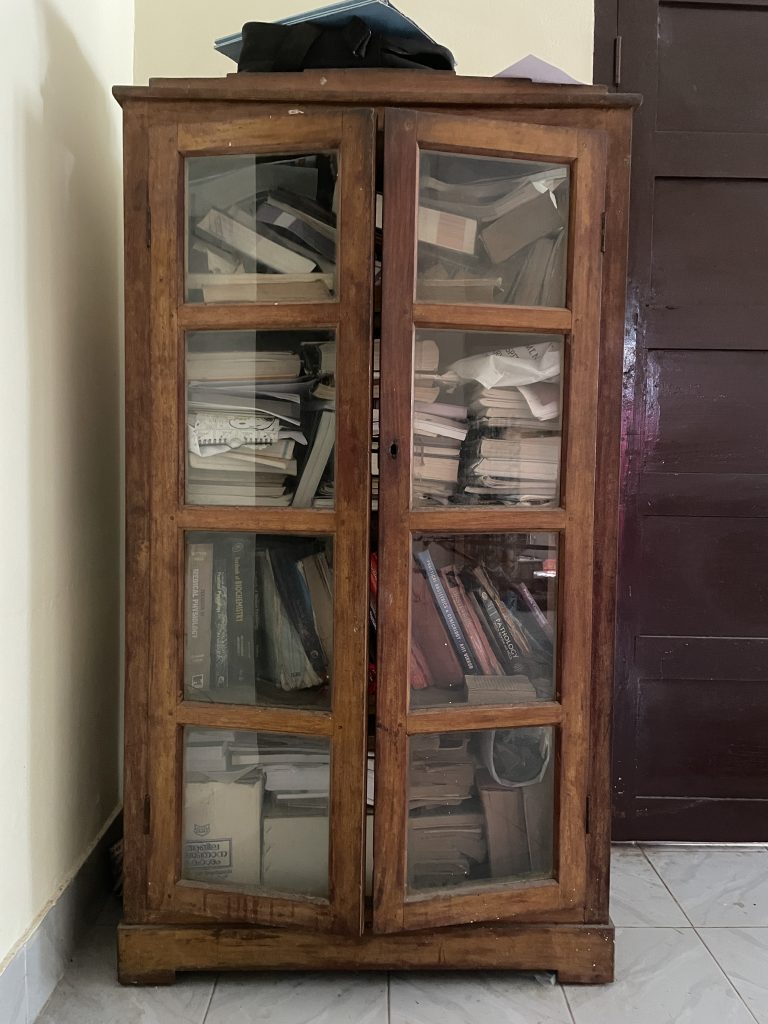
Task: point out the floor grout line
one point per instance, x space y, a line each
567 1003
210 1000
675 900
725 975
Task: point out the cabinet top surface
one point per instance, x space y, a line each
375 87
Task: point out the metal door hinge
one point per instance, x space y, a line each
617 60
147 814
602 231
586 817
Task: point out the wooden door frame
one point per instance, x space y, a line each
585 151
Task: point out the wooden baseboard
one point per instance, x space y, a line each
152 954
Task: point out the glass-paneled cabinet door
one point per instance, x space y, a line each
262 282
488 394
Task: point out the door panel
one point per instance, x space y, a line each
692 595
260 532
462 534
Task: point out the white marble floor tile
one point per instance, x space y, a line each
90 994
723 887
475 998
638 896
663 976
299 999
743 955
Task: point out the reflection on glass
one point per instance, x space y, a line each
256 810
261 228
483 619
258 619
481 808
486 418
261 418
492 230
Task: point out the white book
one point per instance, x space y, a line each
225 230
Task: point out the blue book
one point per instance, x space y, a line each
380 15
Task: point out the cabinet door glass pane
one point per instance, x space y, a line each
261 228
256 810
492 230
487 418
483 619
258 620
480 807
261 418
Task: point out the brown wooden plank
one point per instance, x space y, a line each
481 317
504 901
461 718
294 130
354 367
166 575
314 522
236 716
373 87
393 633
255 316
458 519
197 902
576 559
578 953
462 135
138 496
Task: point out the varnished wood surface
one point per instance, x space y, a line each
579 953
376 87
462 717
527 319
138 459
490 99
294 721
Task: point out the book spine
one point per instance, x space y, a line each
294 594
197 647
220 639
455 632
241 571
481 646
539 617
495 624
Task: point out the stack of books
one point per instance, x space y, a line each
261 228
261 425
259 620
492 231
470 640
439 427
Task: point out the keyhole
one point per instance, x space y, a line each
393 450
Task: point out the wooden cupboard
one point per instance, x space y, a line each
273 667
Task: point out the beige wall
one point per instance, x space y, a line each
175 37
60 178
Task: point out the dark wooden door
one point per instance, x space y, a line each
691 743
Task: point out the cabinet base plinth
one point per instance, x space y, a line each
151 954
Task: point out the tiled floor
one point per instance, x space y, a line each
691 948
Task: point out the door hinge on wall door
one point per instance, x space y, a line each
617 60
586 816
147 813
149 223
602 232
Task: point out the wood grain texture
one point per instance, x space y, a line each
232 716
459 718
469 519
528 319
236 316
375 87
354 368
316 522
578 953
138 494
393 620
